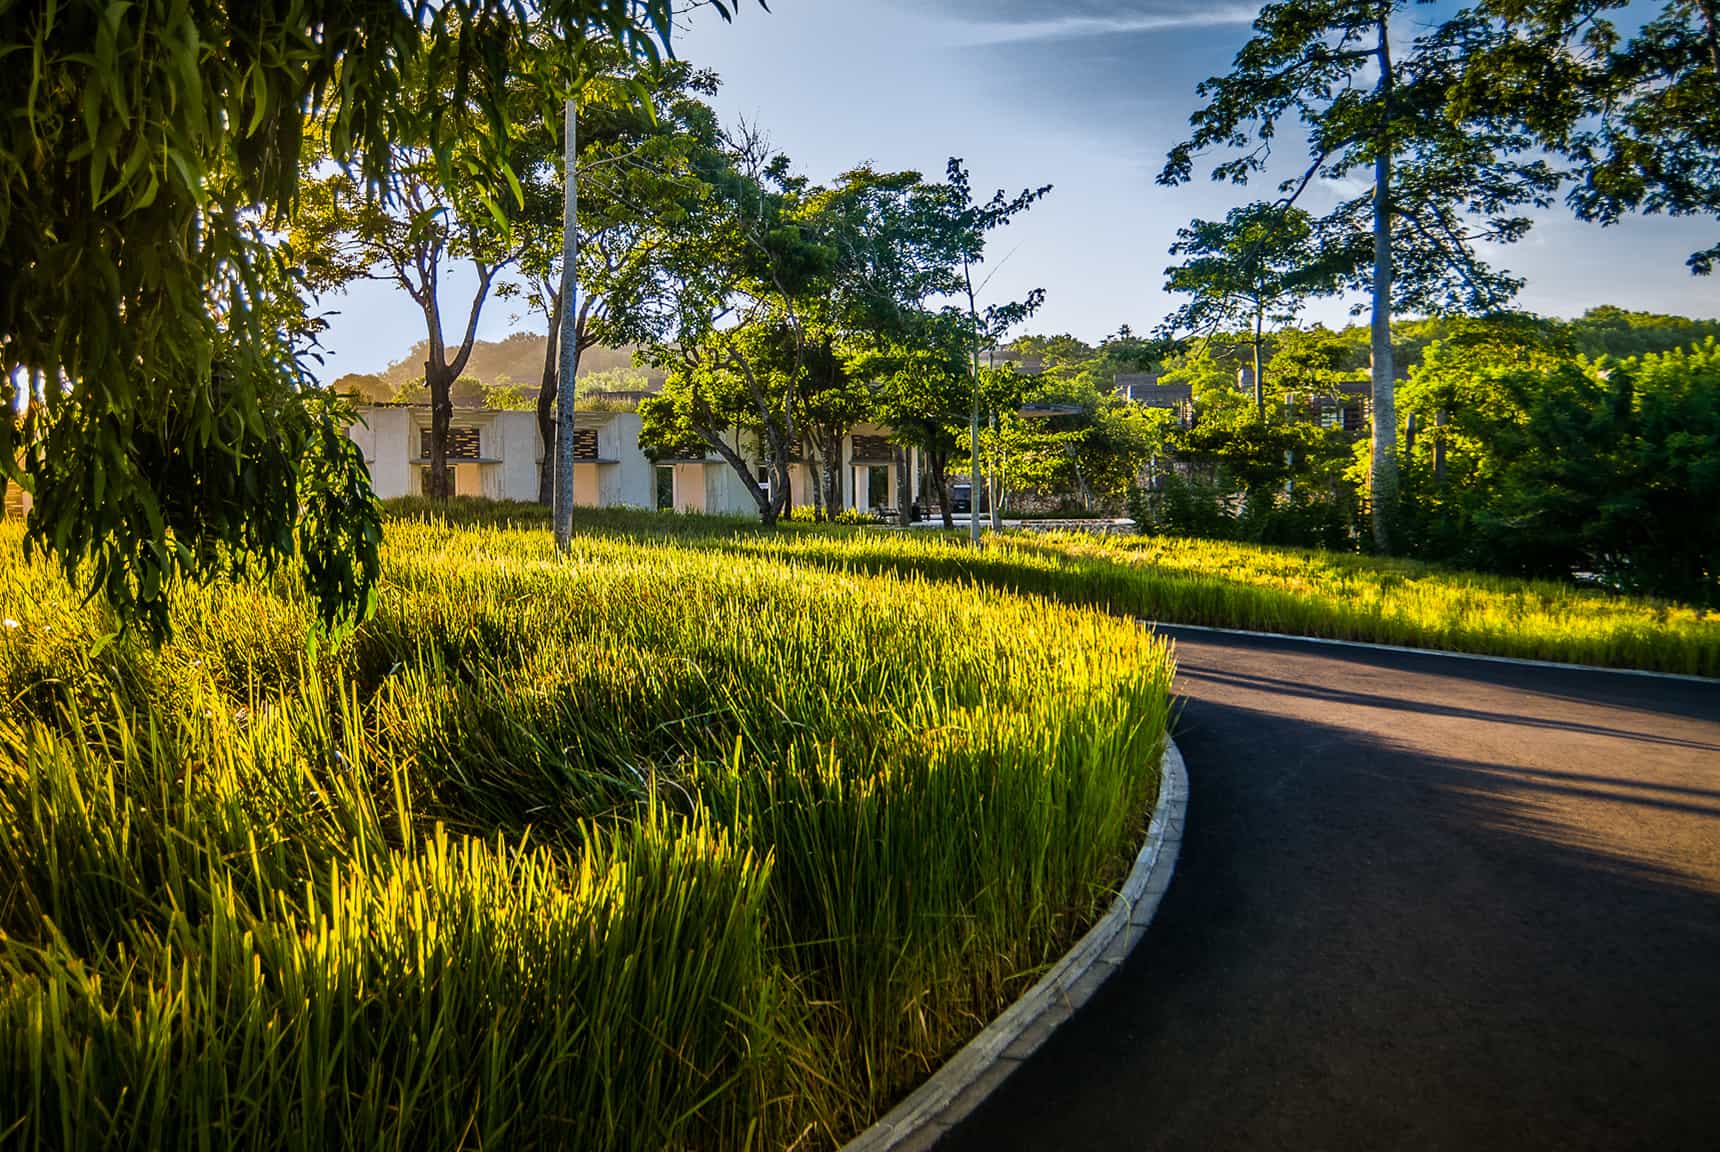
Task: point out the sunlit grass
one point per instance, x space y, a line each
1180 581
659 845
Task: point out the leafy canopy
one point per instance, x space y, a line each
150 334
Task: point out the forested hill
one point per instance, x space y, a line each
512 363
1620 333
1604 331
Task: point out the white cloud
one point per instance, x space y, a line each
1082 27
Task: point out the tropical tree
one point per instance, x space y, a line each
1554 464
923 389
408 237
1441 183
1258 265
724 321
1637 114
150 155
965 224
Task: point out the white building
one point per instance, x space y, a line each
497 455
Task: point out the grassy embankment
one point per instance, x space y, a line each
1309 593
664 847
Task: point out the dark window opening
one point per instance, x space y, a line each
877 487
462 443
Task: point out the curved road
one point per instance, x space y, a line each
1421 903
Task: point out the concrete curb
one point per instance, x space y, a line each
1166 625
988 1059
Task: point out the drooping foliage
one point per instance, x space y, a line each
147 324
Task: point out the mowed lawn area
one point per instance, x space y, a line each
658 845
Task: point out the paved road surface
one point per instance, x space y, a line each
1421 903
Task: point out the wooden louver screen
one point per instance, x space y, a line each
585 443
462 443
871 450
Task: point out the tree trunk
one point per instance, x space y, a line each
973 421
782 487
938 462
1259 382
1383 473
994 477
833 502
546 407
903 498
818 512
768 505
568 374
441 383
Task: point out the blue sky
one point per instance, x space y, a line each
1081 94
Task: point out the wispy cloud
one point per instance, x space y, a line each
1085 27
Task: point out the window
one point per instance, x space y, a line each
665 487
877 487
462 444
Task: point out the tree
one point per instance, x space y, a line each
891 255
1556 464
723 321
1638 116
426 216
1440 183
965 224
150 156
923 391
772 292
364 388
1259 264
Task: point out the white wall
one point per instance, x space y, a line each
384 435
727 493
630 482
512 437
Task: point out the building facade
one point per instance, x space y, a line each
497 455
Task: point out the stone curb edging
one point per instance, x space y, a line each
1521 661
987 1060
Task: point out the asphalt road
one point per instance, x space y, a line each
1422 903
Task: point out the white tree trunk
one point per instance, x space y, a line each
567 385
1383 472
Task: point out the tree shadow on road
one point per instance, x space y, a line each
1369 946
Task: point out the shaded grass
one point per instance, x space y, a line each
655 846
1261 588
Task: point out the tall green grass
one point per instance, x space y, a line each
655 846
1179 581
